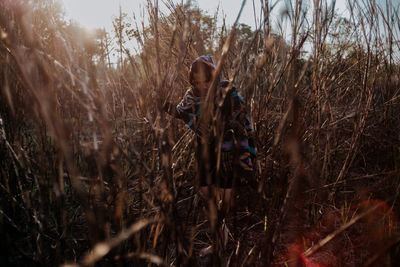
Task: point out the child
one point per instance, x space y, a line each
225 148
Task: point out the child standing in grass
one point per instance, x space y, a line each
225 147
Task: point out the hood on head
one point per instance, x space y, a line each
206 60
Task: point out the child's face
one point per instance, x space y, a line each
200 82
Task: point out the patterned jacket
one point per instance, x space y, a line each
235 120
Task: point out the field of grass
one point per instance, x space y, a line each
93 172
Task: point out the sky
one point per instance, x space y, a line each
93 14
99 13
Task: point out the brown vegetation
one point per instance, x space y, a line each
93 172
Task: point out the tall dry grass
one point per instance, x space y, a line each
93 172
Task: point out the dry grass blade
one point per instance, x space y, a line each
88 153
103 248
145 256
340 230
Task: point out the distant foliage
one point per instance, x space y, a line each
92 171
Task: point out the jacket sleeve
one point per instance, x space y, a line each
186 109
240 121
